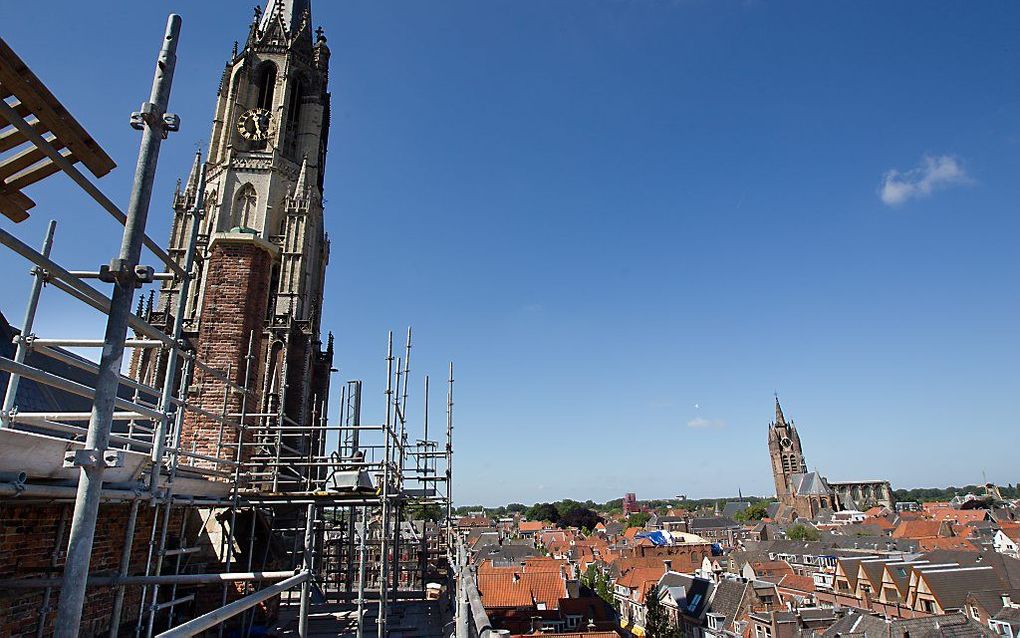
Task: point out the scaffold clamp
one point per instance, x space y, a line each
88 457
121 270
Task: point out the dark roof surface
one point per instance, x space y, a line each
727 599
951 586
713 522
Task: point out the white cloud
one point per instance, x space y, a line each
702 422
934 172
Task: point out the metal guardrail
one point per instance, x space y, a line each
472 620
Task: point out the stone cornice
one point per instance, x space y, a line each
240 237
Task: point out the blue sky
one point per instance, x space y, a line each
629 223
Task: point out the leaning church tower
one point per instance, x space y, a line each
262 249
787 456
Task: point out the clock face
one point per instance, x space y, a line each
255 124
785 442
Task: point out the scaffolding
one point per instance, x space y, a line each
282 517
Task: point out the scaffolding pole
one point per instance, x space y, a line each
91 461
26 327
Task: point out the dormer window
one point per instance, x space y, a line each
715 621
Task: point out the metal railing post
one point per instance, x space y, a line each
166 398
26 328
307 560
154 122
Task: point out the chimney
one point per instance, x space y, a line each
668 564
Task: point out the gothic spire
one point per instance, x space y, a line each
301 188
780 419
196 167
304 188
291 11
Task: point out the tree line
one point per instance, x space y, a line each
928 494
611 507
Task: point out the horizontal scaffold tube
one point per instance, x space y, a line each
61 383
166 579
73 286
68 492
217 616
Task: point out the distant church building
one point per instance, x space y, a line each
804 494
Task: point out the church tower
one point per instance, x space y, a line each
262 249
786 453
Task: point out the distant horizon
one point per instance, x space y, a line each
734 498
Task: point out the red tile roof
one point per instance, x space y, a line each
532 526
474 521
959 516
799 583
517 588
635 576
954 542
772 568
878 521
917 529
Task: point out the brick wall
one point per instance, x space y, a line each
234 305
29 547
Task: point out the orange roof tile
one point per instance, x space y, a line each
917 529
532 526
799 583
959 516
635 576
515 588
772 568
878 521
955 542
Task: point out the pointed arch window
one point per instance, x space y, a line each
294 107
294 115
244 207
266 83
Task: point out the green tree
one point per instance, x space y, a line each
543 512
657 621
597 580
416 511
756 512
579 517
638 519
802 533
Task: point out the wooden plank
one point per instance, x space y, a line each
12 137
20 199
19 79
37 172
11 210
22 160
5 92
